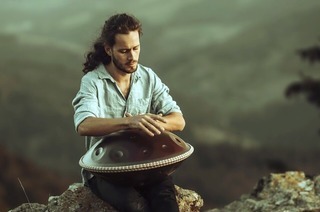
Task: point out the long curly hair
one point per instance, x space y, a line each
116 24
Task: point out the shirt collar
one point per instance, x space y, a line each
104 74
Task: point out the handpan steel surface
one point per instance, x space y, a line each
134 158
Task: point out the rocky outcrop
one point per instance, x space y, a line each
283 192
80 198
289 191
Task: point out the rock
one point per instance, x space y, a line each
188 201
79 198
289 191
30 207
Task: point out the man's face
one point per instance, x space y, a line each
125 53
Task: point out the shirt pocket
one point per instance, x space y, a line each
112 106
139 106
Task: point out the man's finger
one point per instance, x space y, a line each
158 118
145 129
152 126
127 115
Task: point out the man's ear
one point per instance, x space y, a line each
107 49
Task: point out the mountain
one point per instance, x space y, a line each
227 64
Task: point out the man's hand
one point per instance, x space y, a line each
148 123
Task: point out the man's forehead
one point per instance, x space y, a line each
127 40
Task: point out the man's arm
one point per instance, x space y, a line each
93 126
149 123
174 122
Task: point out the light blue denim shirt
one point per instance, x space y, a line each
99 96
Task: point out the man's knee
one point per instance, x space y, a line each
120 197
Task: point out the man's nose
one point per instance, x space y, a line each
130 54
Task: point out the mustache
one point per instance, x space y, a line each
131 62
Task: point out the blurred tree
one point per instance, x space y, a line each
308 85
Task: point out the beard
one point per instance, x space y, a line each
126 67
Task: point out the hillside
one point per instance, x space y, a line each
227 64
37 118
23 180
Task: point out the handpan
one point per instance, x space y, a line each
130 158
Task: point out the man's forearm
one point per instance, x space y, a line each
149 123
93 126
174 122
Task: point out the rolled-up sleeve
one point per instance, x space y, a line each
162 101
85 103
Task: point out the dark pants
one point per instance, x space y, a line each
159 196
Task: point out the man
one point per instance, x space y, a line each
117 93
